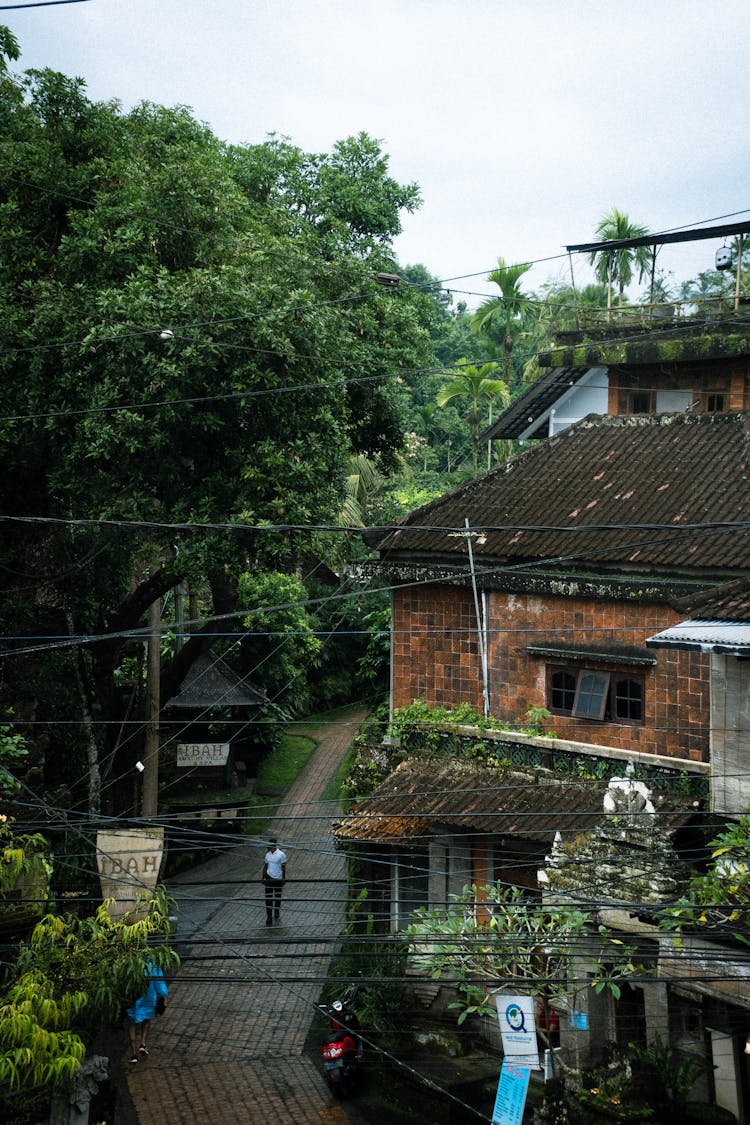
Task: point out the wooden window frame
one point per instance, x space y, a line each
711 404
601 695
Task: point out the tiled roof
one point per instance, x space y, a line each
210 682
728 602
423 797
626 491
534 401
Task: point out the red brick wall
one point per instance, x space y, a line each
436 659
435 647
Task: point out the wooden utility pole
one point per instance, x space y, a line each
150 792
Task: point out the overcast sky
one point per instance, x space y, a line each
523 121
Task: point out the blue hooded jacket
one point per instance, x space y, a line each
144 1008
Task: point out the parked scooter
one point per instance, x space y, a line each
342 1051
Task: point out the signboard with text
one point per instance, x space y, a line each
192 754
129 861
511 1094
518 1029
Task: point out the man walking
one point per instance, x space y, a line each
274 874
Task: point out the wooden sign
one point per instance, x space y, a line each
129 861
192 754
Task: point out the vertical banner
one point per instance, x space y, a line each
511 1094
518 1029
129 861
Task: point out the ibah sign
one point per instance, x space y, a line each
129 861
192 754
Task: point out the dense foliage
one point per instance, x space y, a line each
494 936
192 334
72 976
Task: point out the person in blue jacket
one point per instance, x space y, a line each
142 1011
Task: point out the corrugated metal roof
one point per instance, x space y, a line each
419 798
210 682
705 636
642 491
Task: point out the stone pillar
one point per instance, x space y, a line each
73 1109
656 1000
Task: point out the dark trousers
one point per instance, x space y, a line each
273 897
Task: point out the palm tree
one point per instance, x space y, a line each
615 267
503 319
506 315
361 485
476 384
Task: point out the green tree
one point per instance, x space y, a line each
13 751
719 897
504 319
279 641
617 267
476 385
494 936
190 333
69 978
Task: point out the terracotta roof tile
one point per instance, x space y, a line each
577 496
423 797
729 602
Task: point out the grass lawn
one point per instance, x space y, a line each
279 769
333 788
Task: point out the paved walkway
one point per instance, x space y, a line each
230 1046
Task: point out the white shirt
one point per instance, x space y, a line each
274 863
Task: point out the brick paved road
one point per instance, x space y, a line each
229 1049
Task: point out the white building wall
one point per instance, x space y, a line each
589 396
730 734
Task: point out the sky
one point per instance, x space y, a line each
522 121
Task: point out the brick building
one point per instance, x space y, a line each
601 574
538 585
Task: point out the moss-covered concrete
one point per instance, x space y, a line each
650 347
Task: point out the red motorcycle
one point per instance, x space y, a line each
342 1050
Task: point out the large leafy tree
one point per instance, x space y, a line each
191 333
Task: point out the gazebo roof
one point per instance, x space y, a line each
210 682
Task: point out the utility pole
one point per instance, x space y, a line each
179 615
150 793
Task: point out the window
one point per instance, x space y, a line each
715 403
409 884
639 402
588 694
628 699
562 691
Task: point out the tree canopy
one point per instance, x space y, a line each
191 334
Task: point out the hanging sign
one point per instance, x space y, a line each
202 754
511 1094
518 1029
129 861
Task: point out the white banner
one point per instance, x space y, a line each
518 1029
202 754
